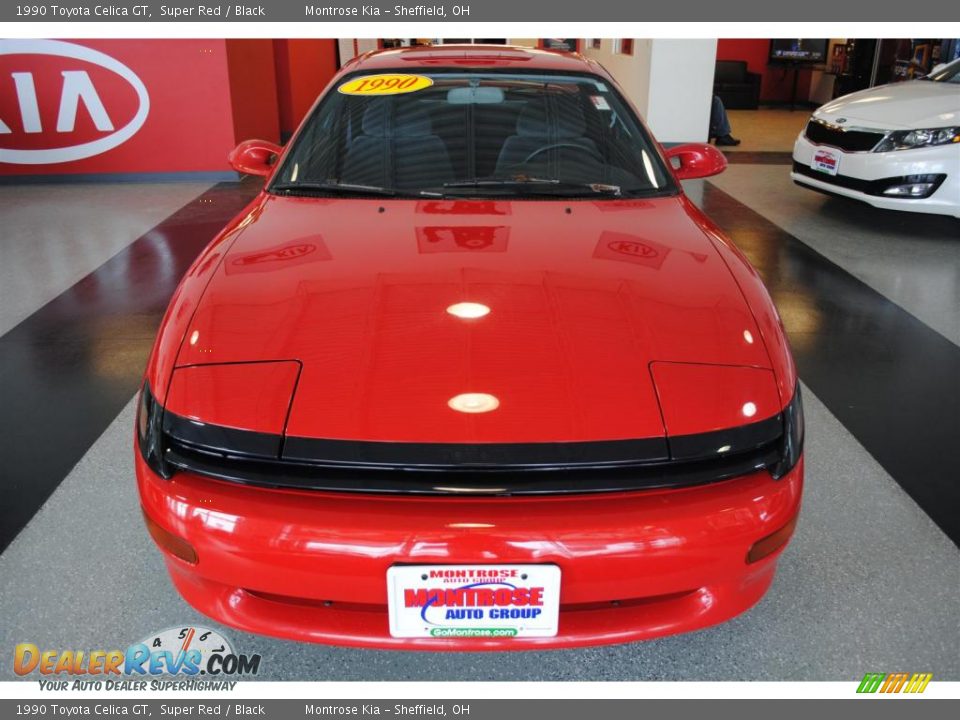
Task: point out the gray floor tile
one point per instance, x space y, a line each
912 259
53 235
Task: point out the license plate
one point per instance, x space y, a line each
473 601
826 162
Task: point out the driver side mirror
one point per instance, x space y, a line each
254 157
696 160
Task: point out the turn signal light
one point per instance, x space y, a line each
170 542
772 542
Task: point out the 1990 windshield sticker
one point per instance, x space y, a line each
201 659
481 602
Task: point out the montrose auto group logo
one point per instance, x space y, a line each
61 102
492 599
199 658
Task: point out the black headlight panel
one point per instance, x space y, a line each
150 432
791 445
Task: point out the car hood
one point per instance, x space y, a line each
899 106
585 298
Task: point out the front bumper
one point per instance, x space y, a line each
869 167
312 566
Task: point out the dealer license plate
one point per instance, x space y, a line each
473 601
826 162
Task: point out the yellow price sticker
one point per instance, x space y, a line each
385 84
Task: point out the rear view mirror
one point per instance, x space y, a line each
696 160
475 96
254 157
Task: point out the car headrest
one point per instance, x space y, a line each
406 122
567 123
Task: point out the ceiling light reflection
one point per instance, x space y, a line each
464 489
468 310
749 409
748 336
473 403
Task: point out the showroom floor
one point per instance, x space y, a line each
869 298
766 129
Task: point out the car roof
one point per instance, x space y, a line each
476 56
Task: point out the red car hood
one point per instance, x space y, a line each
583 297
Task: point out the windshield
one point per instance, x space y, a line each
950 73
473 134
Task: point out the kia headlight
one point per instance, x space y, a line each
910 139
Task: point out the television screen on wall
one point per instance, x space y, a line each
798 51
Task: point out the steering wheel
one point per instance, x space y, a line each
593 152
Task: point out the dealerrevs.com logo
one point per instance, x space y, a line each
183 652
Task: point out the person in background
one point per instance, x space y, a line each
720 124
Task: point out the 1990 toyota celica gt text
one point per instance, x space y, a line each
471 373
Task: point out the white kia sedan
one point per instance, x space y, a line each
895 146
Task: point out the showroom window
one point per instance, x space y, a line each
623 46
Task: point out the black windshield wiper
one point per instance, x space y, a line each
337 188
549 186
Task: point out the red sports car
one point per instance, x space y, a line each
471 372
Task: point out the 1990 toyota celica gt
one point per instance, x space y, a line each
471 373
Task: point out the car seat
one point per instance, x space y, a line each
397 148
536 129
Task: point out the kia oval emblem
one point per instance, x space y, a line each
841 121
77 89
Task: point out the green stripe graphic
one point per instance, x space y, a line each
871 682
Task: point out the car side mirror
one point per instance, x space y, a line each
254 157
696 160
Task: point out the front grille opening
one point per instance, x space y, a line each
594 606
850 140
541 481
471 469
875 187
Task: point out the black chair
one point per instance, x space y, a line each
737 87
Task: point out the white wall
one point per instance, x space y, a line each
346 47
670 82
631 71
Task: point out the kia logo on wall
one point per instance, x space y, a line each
61 102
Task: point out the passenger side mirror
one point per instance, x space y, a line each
696 160
254 157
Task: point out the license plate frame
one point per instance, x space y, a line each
826 162
482 591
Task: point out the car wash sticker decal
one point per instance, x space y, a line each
390 84
599 102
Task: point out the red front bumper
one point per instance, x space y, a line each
313 566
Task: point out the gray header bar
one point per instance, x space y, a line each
333 11
219 707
